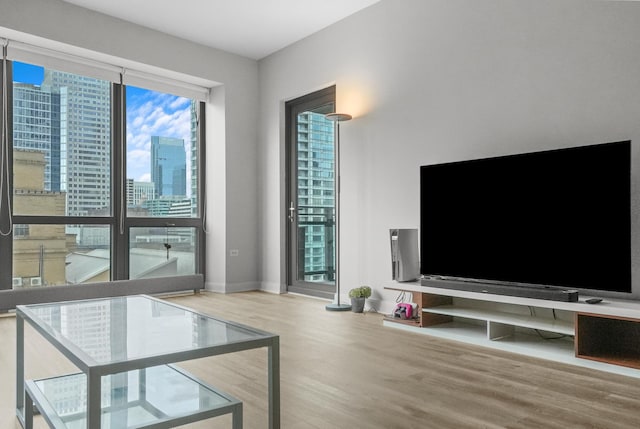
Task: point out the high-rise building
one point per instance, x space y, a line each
168 206
168 166
36 125
194 159
316 195
85 140
139 192
180 208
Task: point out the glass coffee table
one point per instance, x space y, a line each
123 347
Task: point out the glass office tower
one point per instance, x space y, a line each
195 155
316 197
36 126
85 140
168 166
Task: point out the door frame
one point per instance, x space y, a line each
293 107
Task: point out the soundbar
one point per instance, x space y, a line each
538 292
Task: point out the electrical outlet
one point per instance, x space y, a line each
234 252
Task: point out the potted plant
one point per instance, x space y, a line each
358 296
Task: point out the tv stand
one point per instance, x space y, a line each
538 292
599 336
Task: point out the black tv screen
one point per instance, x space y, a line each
553 218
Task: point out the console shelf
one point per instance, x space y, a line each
501 317
602 336
608 339
408 322
559 350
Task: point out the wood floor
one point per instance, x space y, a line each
345 370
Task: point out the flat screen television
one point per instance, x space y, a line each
553 218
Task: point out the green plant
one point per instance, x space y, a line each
360 292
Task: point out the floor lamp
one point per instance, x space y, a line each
336 118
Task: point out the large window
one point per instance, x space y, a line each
61 143
95 197
162 154
162 171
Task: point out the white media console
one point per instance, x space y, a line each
603 336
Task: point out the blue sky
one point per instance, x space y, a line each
149 113
26 73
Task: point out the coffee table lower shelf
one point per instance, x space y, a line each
163 396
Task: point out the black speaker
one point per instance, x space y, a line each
405 264
538 292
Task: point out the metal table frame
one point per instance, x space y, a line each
94 370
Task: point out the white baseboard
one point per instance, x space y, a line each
214 287
231 287
372 304
272 287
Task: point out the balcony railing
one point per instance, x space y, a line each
316 221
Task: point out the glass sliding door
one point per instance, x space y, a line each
311 195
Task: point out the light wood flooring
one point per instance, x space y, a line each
345 370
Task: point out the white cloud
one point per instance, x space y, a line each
180 102
149 114
137 161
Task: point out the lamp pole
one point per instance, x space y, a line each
336 118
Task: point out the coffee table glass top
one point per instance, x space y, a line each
121 329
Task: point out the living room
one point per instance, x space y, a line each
427 82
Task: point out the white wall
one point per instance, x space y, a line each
433 81
231 115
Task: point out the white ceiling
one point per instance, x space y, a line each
251 28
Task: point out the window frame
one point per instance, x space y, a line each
118 221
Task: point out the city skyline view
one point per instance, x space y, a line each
63 166
149 113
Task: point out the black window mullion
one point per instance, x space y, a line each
63 220
202 199
177 222
119 241
6 238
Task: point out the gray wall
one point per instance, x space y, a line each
428 81
432 81
231 115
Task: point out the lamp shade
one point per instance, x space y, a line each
338 117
